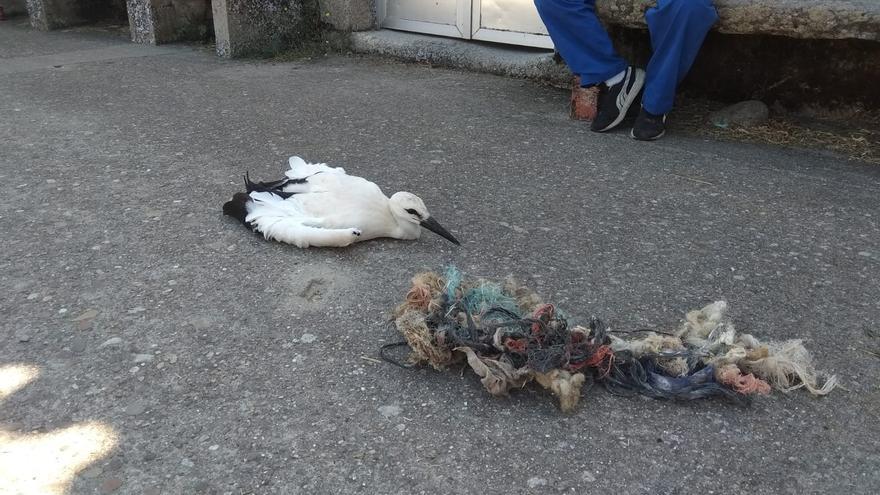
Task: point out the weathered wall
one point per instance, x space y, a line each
101 10
164 21
14 7
54 14
348 15
262 27
775 69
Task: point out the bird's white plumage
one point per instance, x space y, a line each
332 208
300 169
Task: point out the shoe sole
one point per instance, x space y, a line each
637 88
658 136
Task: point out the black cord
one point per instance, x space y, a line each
383 354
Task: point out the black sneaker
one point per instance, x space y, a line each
613 102
648 126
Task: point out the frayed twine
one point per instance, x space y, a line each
564 385
785 366
422 342
748 384
789 366
499 377
423 295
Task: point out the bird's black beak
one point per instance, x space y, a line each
435 227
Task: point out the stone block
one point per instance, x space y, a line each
262 27
748 113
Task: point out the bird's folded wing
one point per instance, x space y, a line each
292 232
284 221
269 204
300 169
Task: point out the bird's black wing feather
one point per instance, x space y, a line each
274 187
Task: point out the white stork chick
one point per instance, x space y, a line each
317 205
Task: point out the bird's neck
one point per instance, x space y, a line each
404 229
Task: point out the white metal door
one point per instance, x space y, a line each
514 22
441 17
509 21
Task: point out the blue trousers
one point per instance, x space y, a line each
677 27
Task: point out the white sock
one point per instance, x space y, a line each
615 79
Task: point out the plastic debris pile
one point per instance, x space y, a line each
510 337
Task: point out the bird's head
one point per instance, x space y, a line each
410 209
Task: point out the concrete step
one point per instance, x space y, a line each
492 58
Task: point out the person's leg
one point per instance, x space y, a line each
678 28
585 46
581 39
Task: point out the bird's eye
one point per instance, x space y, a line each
413 212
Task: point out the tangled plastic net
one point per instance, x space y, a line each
509 337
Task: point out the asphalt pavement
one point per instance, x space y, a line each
187 355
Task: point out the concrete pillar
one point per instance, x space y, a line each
262 27
55 14
349 15
164 21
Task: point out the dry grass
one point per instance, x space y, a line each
854 134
